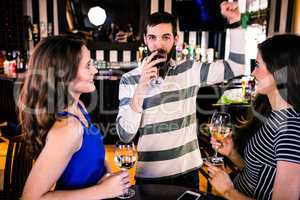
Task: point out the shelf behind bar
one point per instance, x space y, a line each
102 45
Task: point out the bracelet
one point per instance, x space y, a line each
234 25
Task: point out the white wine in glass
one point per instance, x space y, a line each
220 127
125 158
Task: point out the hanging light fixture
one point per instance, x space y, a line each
97 15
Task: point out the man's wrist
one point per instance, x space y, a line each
136 103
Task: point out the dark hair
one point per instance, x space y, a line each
161 18
52 66
251 122
281 54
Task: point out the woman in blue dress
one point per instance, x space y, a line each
68 148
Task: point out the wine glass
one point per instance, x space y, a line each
158 80
220 127
125 158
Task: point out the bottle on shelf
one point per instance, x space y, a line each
2 60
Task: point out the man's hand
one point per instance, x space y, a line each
231 11
149 71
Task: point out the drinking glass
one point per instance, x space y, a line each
125 158
158 80
220 127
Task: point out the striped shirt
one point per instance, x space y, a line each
277 140
168 144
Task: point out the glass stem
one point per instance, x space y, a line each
216 153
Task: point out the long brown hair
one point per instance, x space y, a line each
52 66
251 122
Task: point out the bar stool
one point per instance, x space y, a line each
17 168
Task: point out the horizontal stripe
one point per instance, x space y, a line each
168 126
181 68
236 57
130 80
123 134
164 98
169 111
167 177
151 156
215 73
167 168
124 101
158 142
170 96
237 69
228 73
204 73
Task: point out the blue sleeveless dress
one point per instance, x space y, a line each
86 166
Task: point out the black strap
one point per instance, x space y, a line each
234 25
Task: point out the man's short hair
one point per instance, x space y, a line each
161 18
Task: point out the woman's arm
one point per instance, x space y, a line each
287 181
236 158
223 185
62 142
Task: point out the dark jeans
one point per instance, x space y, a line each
190 179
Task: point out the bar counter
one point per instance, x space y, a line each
165 192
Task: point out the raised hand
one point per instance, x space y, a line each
231 11
149 70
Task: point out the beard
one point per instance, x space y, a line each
162 53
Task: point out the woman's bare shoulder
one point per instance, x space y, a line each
66 132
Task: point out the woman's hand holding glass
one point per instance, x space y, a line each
226 147
220 127
115 184
125 158
220 180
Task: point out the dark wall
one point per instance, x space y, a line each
120 12
12 24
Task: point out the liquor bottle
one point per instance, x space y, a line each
35 33
254 17
2 59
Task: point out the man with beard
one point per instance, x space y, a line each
165 113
